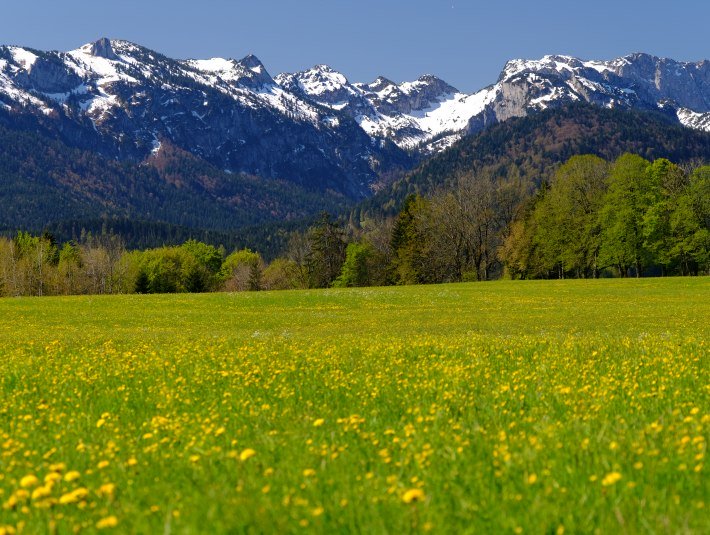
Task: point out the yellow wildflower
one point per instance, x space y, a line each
107 489
52 477
611 478
108 522
413 495
71 476
29 481
73 496
247 454
42 492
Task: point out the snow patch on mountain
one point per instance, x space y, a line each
23 57
692 119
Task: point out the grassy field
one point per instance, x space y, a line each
507 407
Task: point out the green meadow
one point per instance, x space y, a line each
505 407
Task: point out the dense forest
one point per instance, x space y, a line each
594 218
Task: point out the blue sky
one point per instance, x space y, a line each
464 42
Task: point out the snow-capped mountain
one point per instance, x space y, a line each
313 127
429 114
637 81
415 115
125 100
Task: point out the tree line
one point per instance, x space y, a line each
624 218
594 218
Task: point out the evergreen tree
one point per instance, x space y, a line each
142 285
327 252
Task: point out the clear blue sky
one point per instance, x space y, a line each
464 42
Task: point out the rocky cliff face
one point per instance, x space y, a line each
637 81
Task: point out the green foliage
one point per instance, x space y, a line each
630 216
241 271
690 225
142 285
355 271
407 241
282 274
207 255
325 258
567 231
631 192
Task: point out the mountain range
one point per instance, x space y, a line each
309 135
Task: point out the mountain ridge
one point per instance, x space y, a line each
254 140
422 116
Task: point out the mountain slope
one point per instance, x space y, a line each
313 127
637 81
534 146
429 115
44 181
124 100
113 129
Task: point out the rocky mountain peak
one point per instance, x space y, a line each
434 84
250 61
101 48
379 84
253 69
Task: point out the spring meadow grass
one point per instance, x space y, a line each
507 407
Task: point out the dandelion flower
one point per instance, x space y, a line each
413 495
108 522
611 478
73 496
107 489
247 454
29 481
71 476
42 492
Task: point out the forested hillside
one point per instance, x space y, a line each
533 147
44 183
